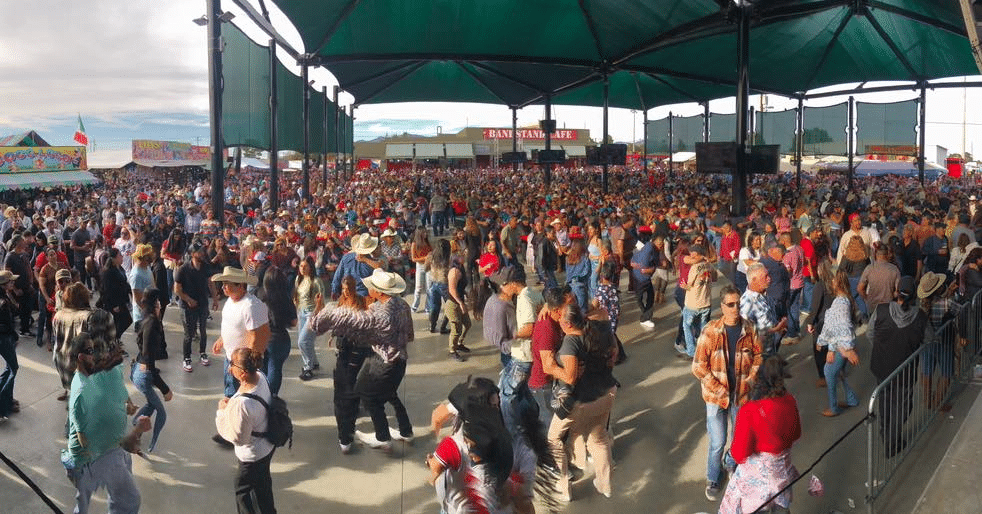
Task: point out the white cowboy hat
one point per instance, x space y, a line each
7 276
364 244
388 233
385 282
235 276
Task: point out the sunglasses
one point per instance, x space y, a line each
730 304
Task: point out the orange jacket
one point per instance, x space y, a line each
709 364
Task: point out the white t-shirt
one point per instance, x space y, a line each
249 313
527 305
243 416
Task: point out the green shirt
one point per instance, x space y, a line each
97 410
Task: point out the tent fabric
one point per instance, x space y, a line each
245 96
29 138
10 181
518 52
459 150
874 168
776 128
825 130
887 128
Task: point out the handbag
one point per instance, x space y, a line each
562 399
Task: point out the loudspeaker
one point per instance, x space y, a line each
513 157
548 126
551 156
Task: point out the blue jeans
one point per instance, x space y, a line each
306 339
549 277
9 354
740 281
794 312
231 384
860 303
437 294
439 222
806 294
834 373
581 294
717 420
514 394
143 380
543 397
114 471
679 295
693 321
276 353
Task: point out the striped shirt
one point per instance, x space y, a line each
389 325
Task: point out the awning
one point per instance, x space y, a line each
683 156
429 150
148 163
459 151
399 151
46 179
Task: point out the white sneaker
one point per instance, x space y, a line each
345 448
371 441
648 324
396 436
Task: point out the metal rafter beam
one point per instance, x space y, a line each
637 85
885 89
593 77
336 25
593 28
893 45
957 30
480 80
703 78
412 69
449 56
262 7
399 67
493 71
674 88
266 27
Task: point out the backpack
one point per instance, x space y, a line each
279 426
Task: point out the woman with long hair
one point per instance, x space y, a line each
749 255
472 240
839 335
172 252
48 292
126 245
489 262
958 253
351 355
853 262
282 316
308 296
8 343
237 419
821 300
114 296
578 271
418 250
591 347
437 265
766 427
594 245
144 372
663 266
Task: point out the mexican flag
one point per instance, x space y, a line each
80 136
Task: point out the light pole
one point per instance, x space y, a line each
634 126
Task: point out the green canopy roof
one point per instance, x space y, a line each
517 52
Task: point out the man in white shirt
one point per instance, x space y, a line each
870 237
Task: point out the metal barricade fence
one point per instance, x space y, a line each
902 406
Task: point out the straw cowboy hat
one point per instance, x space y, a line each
929 283
388 233
7 276
364 244
142 251
235 276
384 282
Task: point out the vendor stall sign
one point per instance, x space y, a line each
27 159
505 133
146 150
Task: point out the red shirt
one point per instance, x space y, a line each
809 249
729 244
42 259
770 425
546 336
492 259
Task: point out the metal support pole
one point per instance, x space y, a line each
548 167
337 136
351 140
671 144
514 136
304 77
742 173
326 147
215 87
852 129
274 170
922 133
644 146
799 137
603 174
705 122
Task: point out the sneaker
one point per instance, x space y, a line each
679 348
372 442
457 357
396 436
712 491
345 448
462 348
316 367
187 365
204 360
648 324
306 375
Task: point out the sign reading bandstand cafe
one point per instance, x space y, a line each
505 133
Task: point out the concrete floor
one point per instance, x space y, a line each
658 421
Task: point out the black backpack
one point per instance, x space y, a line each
279 426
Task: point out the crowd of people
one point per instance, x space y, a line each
544 272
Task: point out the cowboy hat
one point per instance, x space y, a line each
929 283
10 211
7 276
235 276
388 233
364 244
142 251
63 274
385 282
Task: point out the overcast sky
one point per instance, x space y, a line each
138 70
